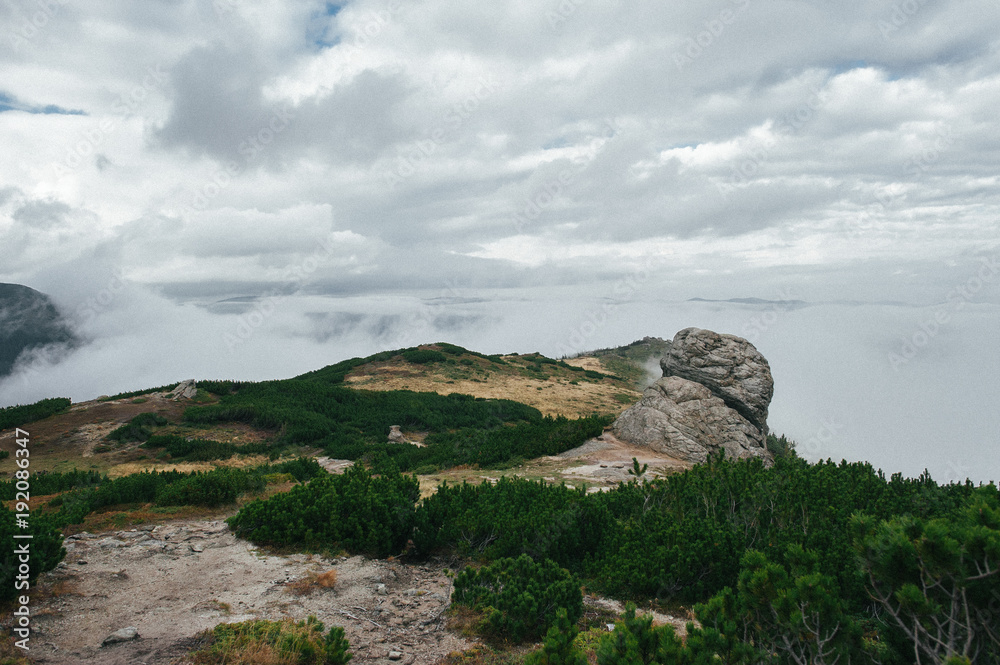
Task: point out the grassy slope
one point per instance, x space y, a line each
76 439
552 387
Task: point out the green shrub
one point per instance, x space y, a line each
4 454
15 416
519 598
356 511
513 517
285 641
780 446
202 450
301 468
137 429
45 551
558 648
219 388
635 640
137 393
212 488
423 356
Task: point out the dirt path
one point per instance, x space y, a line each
600 464
174 580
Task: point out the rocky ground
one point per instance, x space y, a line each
171 581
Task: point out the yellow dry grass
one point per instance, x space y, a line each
587 362
314 581
554 397
128 468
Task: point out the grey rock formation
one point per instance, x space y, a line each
713 396
396 435
731 367
184 389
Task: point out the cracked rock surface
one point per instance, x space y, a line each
714 395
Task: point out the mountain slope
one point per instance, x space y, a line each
28 321
573 388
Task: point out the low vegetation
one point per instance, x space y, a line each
796 563
83 493
773 549
285 642
16 416
354 424
518 598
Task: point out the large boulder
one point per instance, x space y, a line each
731 367
685 420
713 396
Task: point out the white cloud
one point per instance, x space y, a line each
522 146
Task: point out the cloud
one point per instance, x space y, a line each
389 153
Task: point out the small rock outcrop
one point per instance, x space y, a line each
122 635
184 389
714 395
396 435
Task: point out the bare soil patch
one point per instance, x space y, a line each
171 581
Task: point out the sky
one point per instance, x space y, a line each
252 189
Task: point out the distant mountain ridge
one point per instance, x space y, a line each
28 320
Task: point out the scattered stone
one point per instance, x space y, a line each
122 635
395 655
381 590
110 543
197 548
81 562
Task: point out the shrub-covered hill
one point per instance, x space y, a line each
316 409
572 388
